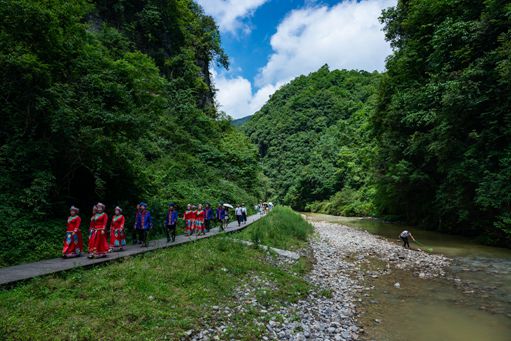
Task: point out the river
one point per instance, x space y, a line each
473 303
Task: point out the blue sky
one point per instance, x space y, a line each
270 42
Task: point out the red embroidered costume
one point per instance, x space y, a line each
117 234
73 244
98 245
189 218
199 221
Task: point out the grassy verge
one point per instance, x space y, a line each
283 228
160 295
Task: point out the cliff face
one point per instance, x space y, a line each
181 39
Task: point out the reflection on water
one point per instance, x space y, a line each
476 308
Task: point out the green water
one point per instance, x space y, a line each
475 307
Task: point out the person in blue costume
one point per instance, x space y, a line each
143 224
220 216
171 223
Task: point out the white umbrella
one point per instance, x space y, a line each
228 205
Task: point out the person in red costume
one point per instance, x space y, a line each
199 220
73 244
189 218
98 245
117 234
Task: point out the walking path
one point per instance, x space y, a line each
12 274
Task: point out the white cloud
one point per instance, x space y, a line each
230 14
345 36
236 96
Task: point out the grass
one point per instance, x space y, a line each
160 295
283 228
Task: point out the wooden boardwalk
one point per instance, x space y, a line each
16 273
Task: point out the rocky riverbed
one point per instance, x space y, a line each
344 257
344 260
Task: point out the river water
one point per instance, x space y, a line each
473 303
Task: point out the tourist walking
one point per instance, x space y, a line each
244 213
171 223
220 216
199 220
117 233
73 243
239 214
208 217
98 244
404 237
143 224
226 217
134 231
188 217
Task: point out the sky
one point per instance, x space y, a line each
270 42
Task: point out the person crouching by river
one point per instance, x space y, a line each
143 224
171 223
117 234
98 245
188 217
404 237
73 243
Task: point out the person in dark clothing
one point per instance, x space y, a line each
171 223
220 216
404 237
134 232
143 224
209 216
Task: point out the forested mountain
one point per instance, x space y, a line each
313 140
443 122
241 121
111 101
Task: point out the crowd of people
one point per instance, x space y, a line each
198 220
263 207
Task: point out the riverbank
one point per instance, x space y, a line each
403 294
343 258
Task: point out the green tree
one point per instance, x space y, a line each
443 121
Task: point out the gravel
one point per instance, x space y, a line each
329 312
